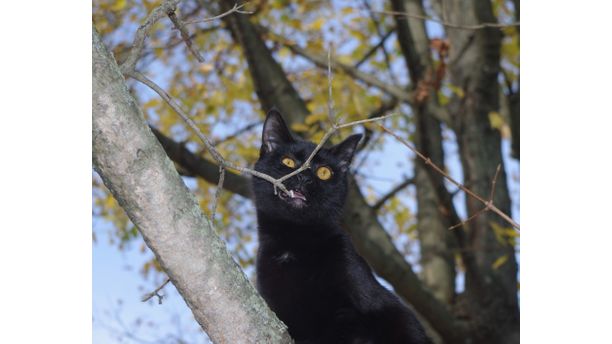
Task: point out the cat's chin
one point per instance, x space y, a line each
294 198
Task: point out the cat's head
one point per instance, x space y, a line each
317 193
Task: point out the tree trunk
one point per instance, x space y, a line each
435 240
140 176
476 71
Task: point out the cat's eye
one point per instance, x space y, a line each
288 162
324 173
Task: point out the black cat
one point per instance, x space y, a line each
307 268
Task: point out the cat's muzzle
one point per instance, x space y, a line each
294 197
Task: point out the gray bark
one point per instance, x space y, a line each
140 176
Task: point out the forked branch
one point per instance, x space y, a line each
155 292
278 183
488 204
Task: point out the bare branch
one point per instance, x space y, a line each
143 31
327 135
378 45
392 193
217 192
428 161
449 25
330 99
397 92
462 223
380 34
487 206
236 133
155 292
494 182
278 183
209 146
236 9
178 24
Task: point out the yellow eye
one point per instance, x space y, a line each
288 162
324 173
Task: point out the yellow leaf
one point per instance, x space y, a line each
496 120
347 10
317 24
299 127
206 67
119 5
314 118
457 90
499 262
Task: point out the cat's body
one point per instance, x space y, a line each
307 268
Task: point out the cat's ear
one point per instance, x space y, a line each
345 150
275 132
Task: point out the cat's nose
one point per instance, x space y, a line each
303 179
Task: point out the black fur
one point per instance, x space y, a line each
307 268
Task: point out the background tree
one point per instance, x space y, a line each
450 71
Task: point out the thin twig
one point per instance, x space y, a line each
494 182
380 34
469 218
330 99
428 161
236 9
327 135
211 149
488 205
217 192
336 66
392 193
450 25
278 183
236 133
372 50
178 24
143 31
155 292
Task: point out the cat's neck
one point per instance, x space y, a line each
289 232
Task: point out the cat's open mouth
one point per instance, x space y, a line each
294 197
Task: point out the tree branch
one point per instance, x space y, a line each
427 161
378 45
167 6
321 62
142 179
450 25
146 297
203 168
178 24
235 9
278 183
392 193
380 34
